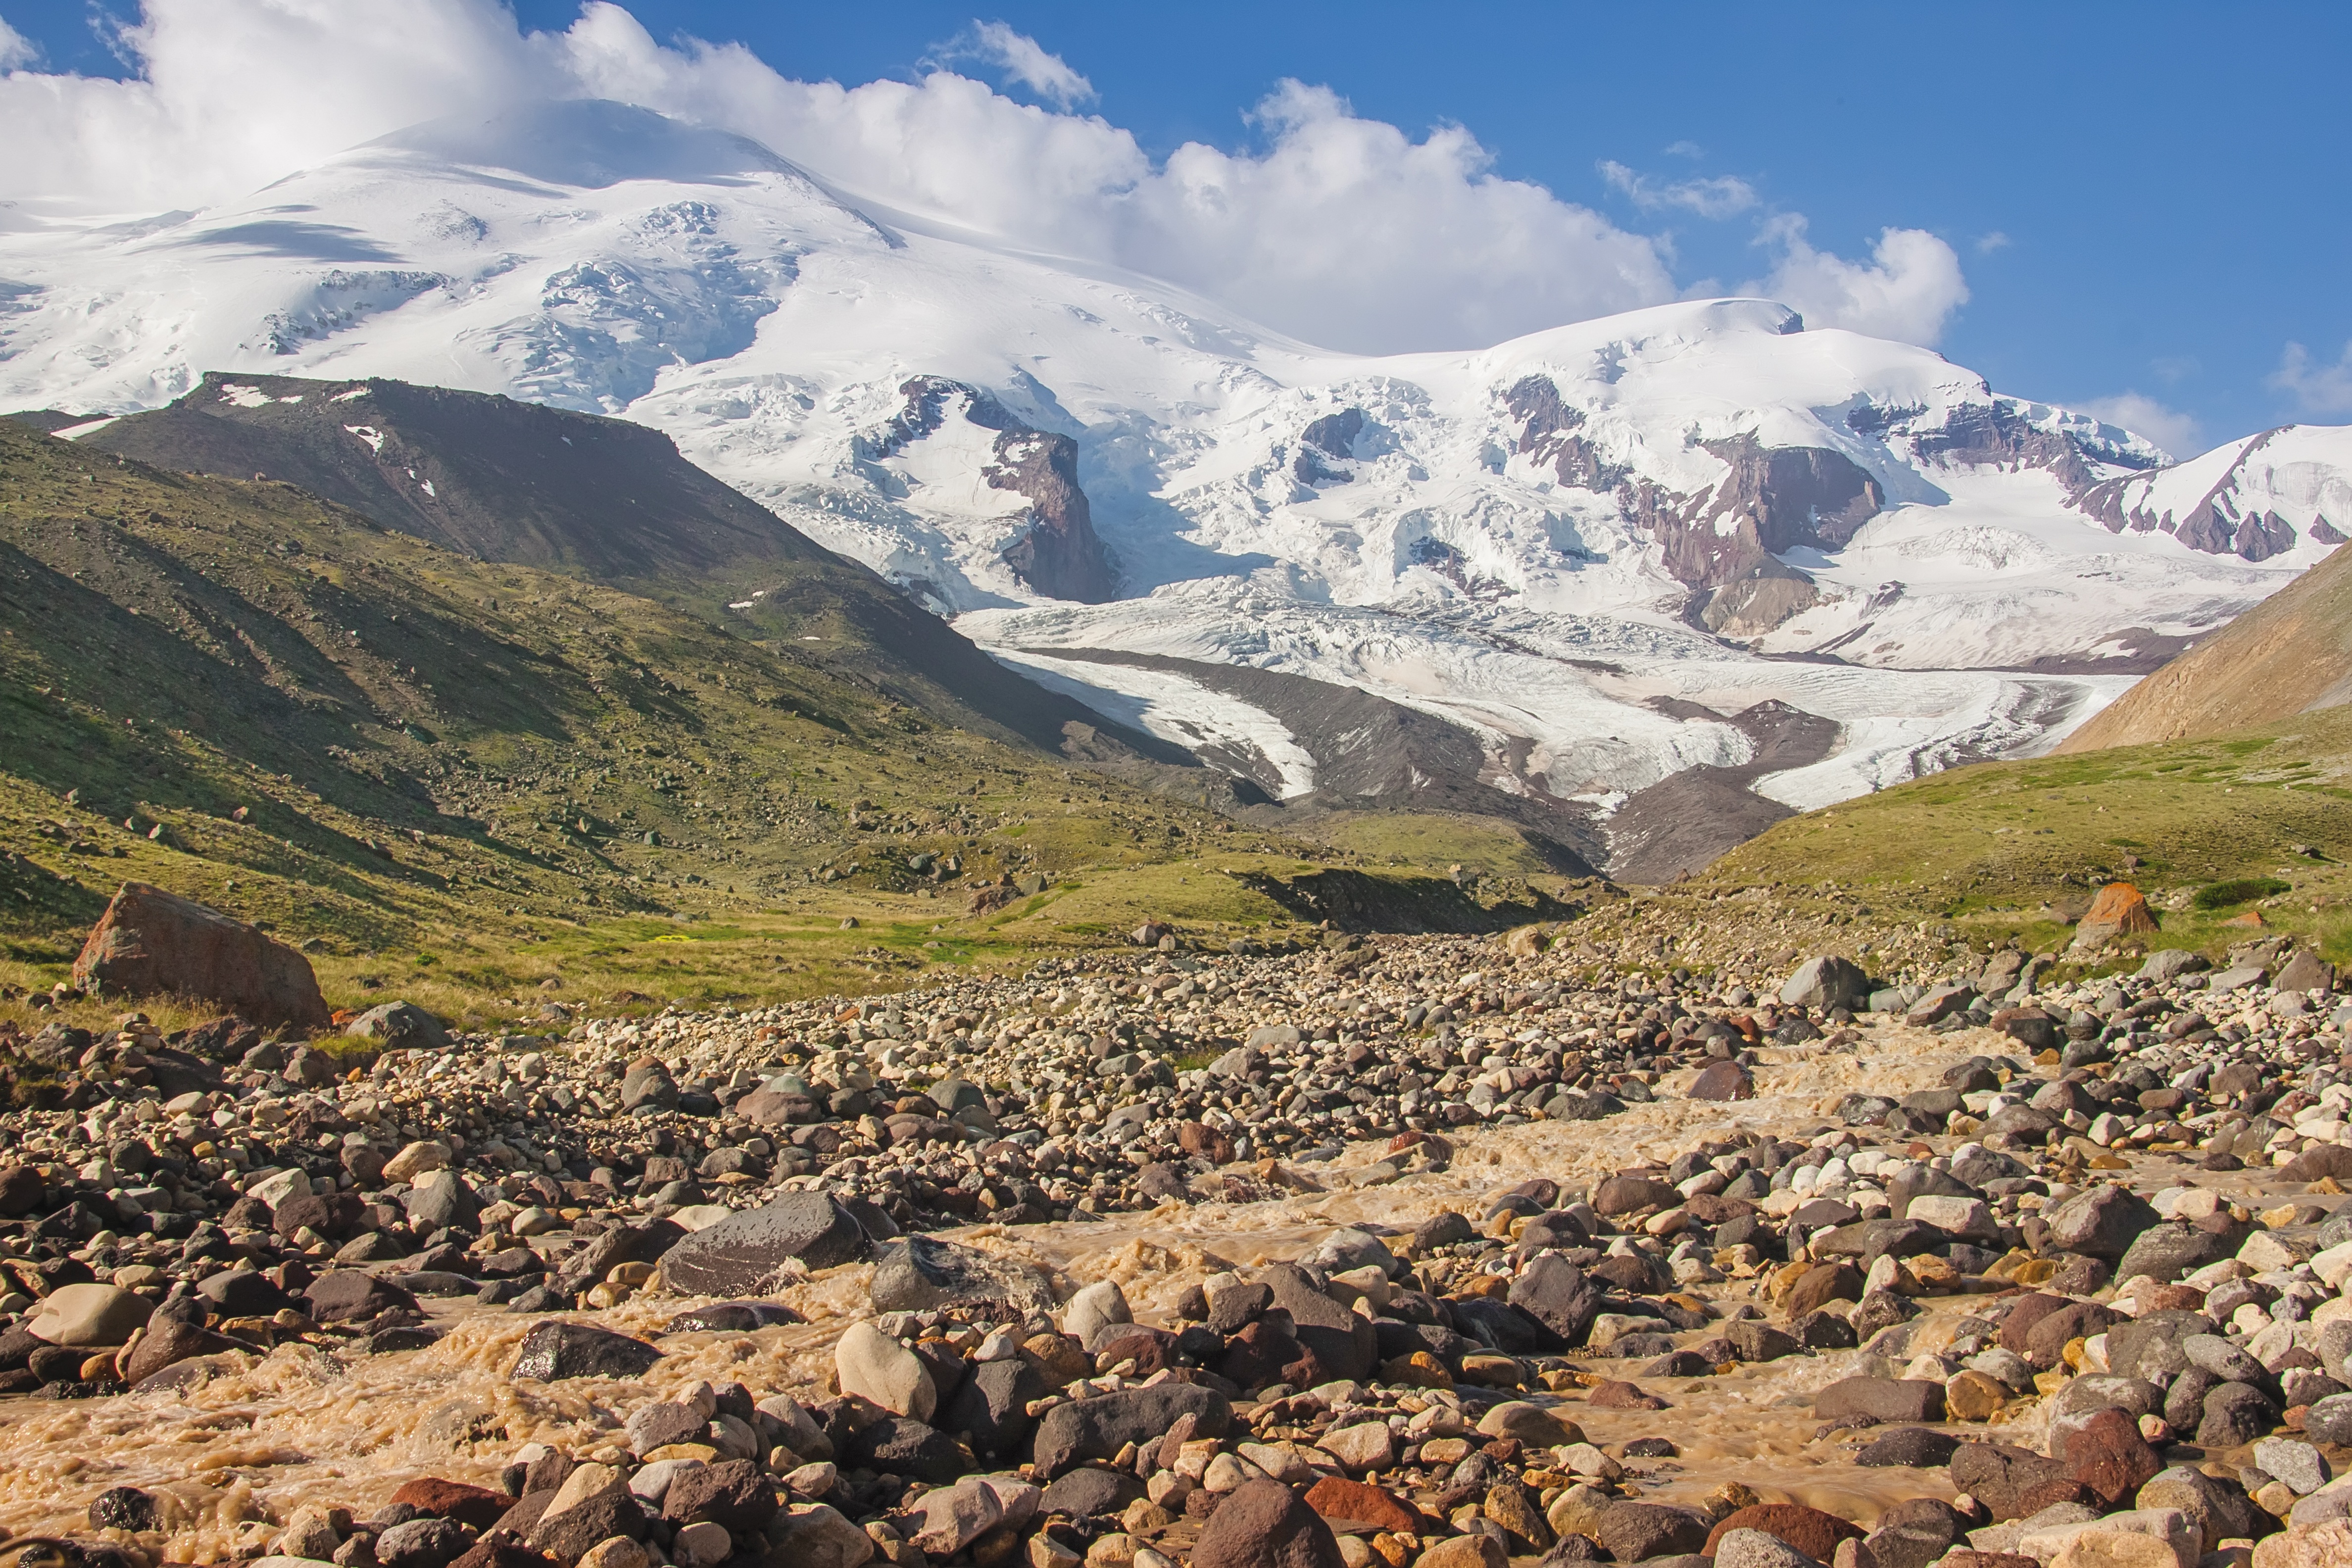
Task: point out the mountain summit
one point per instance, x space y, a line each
1592 549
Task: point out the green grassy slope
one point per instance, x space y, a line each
446 773
2015 848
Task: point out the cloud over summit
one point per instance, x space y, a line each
1341 231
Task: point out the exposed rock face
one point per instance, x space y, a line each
151 941
1331 436
2218 524
1058 553
1728 538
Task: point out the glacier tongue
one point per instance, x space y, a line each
1560 543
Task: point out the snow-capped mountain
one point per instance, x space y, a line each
1589 548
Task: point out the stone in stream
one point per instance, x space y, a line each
1881 1399
745 1253
917 1273
1827 982
1809 1529
89 1316
1748 1548
552 1352
2101 1223
871 1365
345 1295
1635 1530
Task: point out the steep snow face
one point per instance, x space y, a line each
1558 542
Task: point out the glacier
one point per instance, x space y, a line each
1590 548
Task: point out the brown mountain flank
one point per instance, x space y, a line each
2291 654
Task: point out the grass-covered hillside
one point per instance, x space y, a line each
2218 833
491 789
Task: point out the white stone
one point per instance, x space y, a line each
871 1365
651 1482
2167 1525
1094 1309
416 1160
949 1519
1951 1214
277 1188
89 1316
1366 1446
2333 1266
703 1545
2302 1467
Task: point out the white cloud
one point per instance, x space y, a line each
1908 290
1720 198
1341 230
1685 150
2179 434
1022 59
1988 242
15 49
2320 389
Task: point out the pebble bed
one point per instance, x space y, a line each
781 1286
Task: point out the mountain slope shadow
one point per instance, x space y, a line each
604 499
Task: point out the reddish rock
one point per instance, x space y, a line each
2319 1162
1197 1138
150 942
167 1343
1362 1503
503 1555
1714 1208
2118 910
733 1494
1809 1529
1263 1524
2045 1347
2107 1455
1612 1394
1722 1080
2013 1482
474 1507
21 1190
1256 1354
1631 1195
1822 1284
2029 1311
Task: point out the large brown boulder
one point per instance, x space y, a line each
2118 910
1263 1524
151 941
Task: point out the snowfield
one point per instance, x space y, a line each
1550 542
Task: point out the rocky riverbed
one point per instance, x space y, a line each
1417 1250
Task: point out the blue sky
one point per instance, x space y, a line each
2143 199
